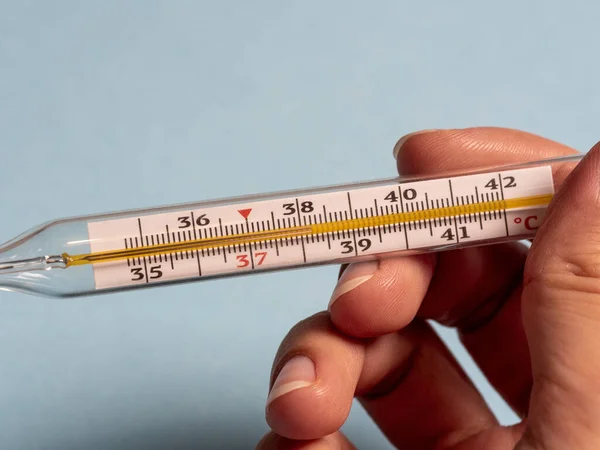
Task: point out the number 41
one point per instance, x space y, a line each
449 235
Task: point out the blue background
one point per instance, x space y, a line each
121 104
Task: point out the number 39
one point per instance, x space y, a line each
364 245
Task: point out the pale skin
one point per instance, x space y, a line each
529 317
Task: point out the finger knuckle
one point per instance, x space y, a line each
572 268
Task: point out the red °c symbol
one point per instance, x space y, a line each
528 223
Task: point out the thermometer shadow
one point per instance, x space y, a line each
220 433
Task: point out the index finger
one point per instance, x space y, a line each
465 277
436 151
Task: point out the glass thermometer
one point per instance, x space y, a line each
293 229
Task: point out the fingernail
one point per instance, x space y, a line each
355 275
297 373
405 138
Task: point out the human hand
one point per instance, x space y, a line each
530 318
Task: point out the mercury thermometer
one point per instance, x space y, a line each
284 230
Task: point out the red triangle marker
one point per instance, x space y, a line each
245 212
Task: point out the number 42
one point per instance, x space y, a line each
493 183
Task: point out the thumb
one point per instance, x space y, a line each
561 316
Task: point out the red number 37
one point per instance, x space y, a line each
243 260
